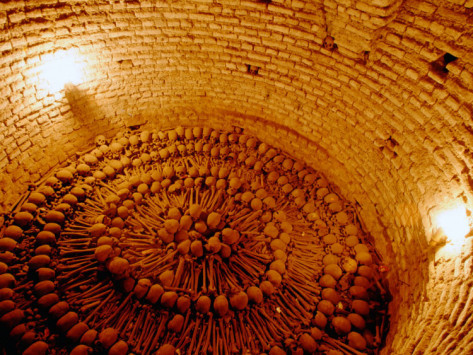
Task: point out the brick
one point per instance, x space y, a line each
202 17
427 98
17 17
452 103
412 74
302 34
453 33
436 77
437 28
392 50
278 28
280 10
175 15
424 7
249 39
465 113
6 46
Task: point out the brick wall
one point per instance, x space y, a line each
383 116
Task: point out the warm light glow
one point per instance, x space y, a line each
454 224
61 68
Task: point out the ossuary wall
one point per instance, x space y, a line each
377 95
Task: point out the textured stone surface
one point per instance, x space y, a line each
375 116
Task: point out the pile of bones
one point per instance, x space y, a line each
189 241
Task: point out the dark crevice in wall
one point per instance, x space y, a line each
439 66
252 69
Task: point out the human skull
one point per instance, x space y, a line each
154 155
180 131
50 190
116 147
232 138
242 157
182 149
296 193
145 148
64 208
269 167
164 153
181 171
162 136
278 159
329 43
145 136
199 147
134 140
100 140
172 150
127 133
206 132
172 135
215 152
197 132
258 166
188 134
224 151
243 139
190 148
214 136
223 138
251 143
54 182
106 151
287 164
207 148
297 167
270 154
145 158
83 169
250 161
97 153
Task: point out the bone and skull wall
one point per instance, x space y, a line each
378 110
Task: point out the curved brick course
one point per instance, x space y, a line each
386 115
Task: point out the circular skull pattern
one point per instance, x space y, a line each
190 240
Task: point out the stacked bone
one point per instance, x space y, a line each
191 239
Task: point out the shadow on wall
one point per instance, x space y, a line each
60 137
88 117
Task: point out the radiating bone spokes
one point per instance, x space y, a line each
192 239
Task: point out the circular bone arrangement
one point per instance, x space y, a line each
190 240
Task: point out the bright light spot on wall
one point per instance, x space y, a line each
61 68
454 224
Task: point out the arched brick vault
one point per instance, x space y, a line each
383 116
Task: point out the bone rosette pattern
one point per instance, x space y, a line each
190 240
